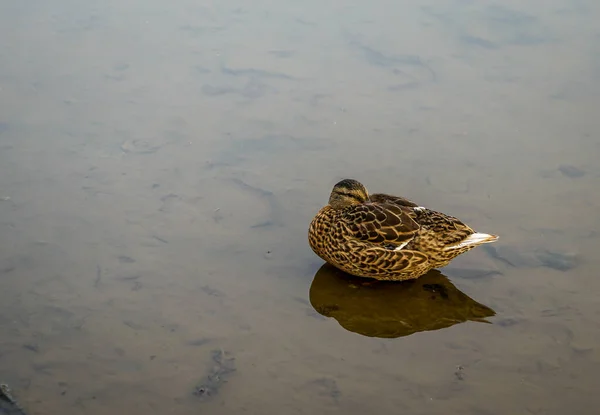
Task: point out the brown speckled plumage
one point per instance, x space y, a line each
386 237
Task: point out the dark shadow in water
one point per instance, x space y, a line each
392 309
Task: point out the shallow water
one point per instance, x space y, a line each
160 163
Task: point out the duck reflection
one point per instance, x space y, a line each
392 309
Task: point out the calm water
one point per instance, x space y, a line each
160 163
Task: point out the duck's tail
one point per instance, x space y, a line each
473 240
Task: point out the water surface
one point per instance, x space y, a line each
160 163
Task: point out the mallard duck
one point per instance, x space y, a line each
386 237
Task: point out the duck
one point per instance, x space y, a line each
386 237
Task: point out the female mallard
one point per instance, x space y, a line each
386 237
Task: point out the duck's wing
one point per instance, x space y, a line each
396 200
384 224
447 228
378 261
426 218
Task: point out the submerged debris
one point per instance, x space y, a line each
134 146
557 260
532 259
8 404
510 256
472 273
223 367
324 387
275 208
124 259
571 171
459 373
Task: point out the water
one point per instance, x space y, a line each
160 163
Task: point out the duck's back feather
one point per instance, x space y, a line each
380 224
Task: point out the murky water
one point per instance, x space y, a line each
160 163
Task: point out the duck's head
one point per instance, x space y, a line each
346 193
